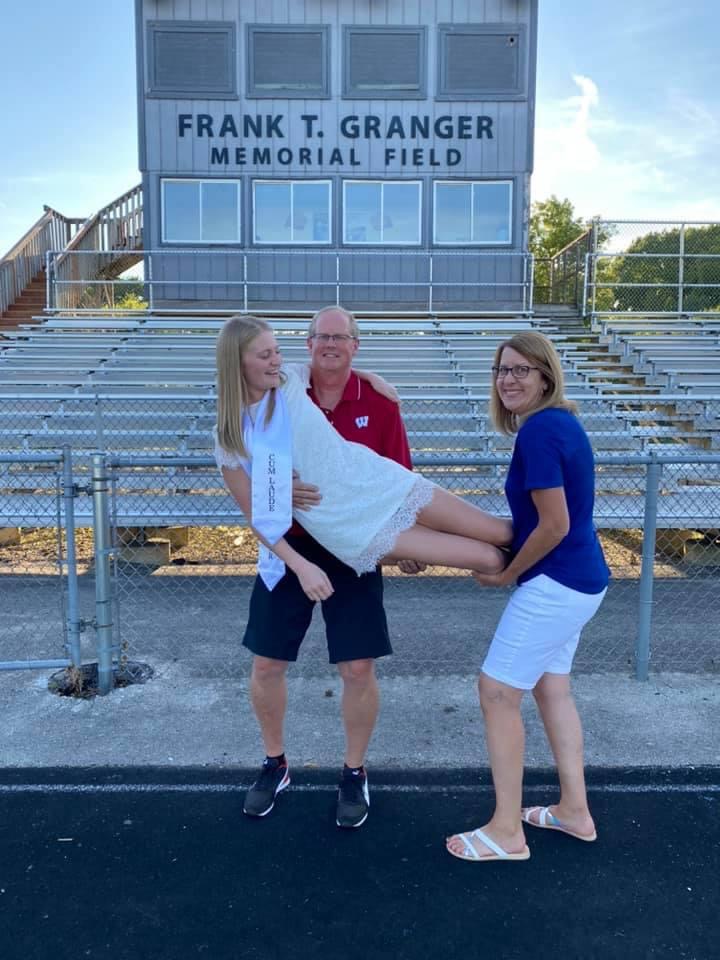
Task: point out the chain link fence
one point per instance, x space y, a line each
627 267
182 569
40 624
182 561
658 268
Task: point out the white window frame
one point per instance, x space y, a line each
383 243
292 243
200 182
473 243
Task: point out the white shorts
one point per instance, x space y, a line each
538 632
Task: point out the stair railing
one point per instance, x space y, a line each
114 229
23 262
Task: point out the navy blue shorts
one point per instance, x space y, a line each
355 622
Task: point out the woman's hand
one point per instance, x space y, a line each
494 579
314 581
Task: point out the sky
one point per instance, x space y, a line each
627 113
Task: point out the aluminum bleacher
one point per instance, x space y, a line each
144 387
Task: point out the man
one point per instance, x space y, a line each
356 626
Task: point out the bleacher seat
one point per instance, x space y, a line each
145 386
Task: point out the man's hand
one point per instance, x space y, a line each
411 566
304 495
379 384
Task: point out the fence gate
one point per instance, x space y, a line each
40 625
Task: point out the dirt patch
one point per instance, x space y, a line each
237 545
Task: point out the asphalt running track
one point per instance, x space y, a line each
149 864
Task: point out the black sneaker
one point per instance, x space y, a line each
353 804
260 798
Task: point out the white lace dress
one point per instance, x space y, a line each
367 500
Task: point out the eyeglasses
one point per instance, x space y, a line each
332 337
519 372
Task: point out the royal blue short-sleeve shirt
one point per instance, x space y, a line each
553 450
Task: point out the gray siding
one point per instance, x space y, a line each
507 155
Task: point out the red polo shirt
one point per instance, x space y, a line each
364 416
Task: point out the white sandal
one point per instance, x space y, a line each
548 821
471 853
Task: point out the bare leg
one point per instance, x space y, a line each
360 706
451 514
447 550
268 695
505 736
564 731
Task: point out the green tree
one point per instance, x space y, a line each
553 225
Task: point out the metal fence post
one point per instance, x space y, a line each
529 283
430 283
245 293
150 283
73 614
103 599
681 270
642 646
585 286
48 285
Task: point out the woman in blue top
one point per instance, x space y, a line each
562 577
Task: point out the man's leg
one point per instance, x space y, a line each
360 706
357 634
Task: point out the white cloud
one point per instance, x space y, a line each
614 165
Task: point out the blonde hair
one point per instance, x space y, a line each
539 352
234 339
352 322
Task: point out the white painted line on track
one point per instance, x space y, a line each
112 788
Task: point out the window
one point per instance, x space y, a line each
384 62
288 62
291 211
385 212
188 59
473 213
200 211
480 62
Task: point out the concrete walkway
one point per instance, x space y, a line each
180 719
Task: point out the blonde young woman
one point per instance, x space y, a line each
372 508
562 577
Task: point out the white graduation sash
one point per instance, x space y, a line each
270 447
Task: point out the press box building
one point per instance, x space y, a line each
378 152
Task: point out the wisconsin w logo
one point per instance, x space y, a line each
361 421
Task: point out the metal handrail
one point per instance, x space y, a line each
25 260
82 277
109 226
115 228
